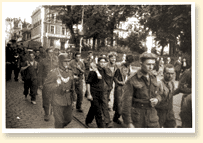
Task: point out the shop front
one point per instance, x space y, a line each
57 41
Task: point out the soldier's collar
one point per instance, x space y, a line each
166 82
140 74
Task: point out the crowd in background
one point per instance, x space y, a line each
139 99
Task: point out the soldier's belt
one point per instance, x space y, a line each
141 105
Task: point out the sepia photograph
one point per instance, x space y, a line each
98 67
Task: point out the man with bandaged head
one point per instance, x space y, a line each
60 83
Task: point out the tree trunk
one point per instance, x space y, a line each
102 42
112 38
73 38
94 38
162 50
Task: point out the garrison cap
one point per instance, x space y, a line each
147 55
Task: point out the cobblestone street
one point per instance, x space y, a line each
20 113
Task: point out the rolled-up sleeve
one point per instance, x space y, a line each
127 102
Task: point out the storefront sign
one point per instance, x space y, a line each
57 35
36 36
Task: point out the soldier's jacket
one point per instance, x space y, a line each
16 60
45 66
64 94
136 90
185 83
73 65
166 93
177 65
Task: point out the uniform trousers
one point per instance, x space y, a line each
79 92
32 85
166 118
145 117
46 101
8 71
16 72
62 115
186 111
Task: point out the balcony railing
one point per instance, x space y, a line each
57 35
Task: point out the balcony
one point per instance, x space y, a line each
58 35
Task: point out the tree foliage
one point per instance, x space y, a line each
168 22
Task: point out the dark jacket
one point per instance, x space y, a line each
166 93
136 90
32 71
103 84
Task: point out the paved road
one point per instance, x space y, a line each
20 113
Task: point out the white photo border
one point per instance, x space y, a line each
110 130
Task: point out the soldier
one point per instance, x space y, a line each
60 83
24 56
30 81
42 54
98 85
8 62
78 70
120 77
178 65
56 52
184 87
165 107
47 64
37 55
111 68
16 64
141 96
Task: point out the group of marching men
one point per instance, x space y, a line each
140 99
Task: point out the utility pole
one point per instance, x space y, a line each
81 29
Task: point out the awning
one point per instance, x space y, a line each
32 44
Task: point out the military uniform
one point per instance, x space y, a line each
62 95
138 91
185 86
46 65
165 107
79 81
178 66
136 105
16 65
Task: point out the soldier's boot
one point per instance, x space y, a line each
109 125
47 111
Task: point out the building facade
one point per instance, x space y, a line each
48 30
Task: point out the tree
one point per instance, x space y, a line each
168 22
70 15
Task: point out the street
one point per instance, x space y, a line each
20 113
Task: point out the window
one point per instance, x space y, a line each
63 31
62 45
51 42
52 29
